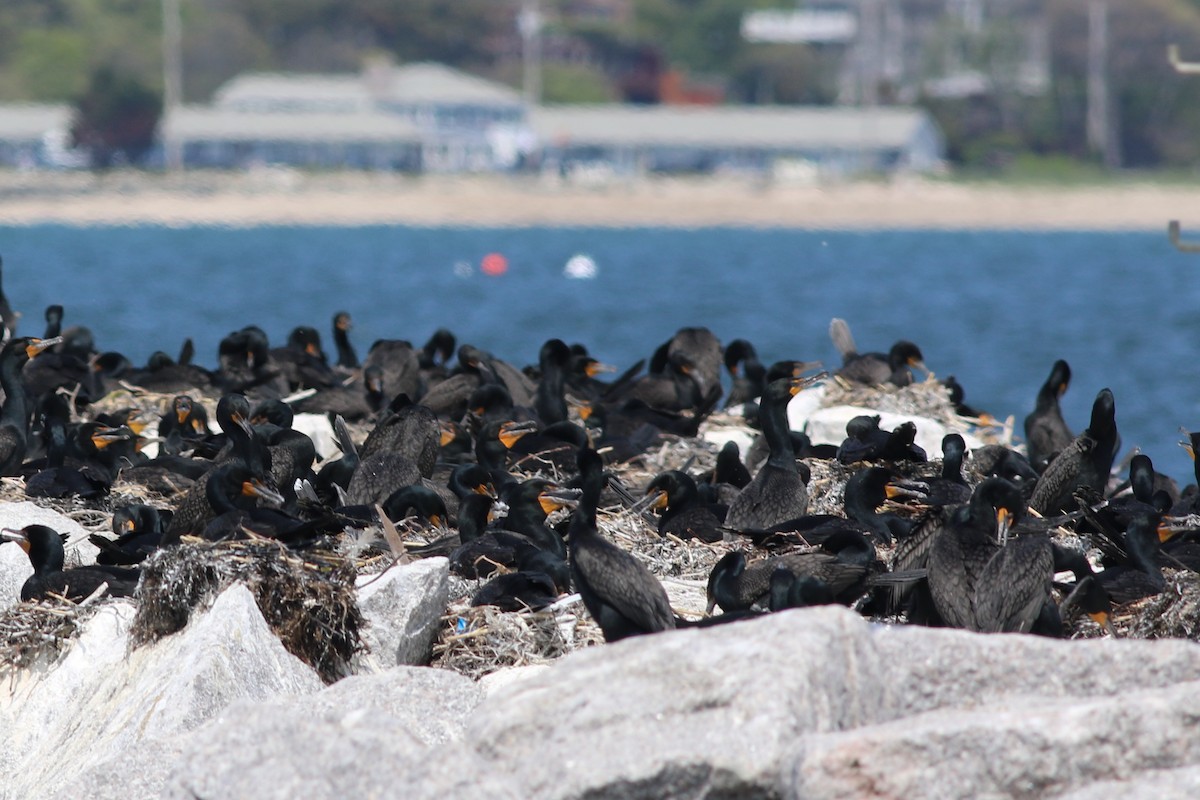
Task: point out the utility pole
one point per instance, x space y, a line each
1100 130
529 23
172 45
870 52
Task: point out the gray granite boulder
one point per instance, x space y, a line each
101 701
404 608
350 740
15 569
813 703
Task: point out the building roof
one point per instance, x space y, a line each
429 82
421 83
29 122
283 92
192 123
771 127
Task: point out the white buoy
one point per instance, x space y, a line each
580 267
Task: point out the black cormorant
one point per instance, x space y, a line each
618 591
1046 432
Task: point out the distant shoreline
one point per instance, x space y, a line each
280 197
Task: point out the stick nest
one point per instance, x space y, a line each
308 602
39 632
476 641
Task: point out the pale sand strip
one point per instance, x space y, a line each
291 198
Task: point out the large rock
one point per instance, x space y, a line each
813 703
818 703
1008 747
342 742
687 714
404 608
15 569
102 702
1169 784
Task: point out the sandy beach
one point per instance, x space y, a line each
273 196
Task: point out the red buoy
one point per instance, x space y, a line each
494 264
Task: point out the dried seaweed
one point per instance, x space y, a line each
39 632
308 602
476 641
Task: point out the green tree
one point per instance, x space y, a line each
51 63
115 118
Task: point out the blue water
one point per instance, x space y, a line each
995 309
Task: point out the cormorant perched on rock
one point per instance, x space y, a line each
1046 432
618 591
1086 462
875 368
44 546
14 417
777 492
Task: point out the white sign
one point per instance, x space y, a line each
799 26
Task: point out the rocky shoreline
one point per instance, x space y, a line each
809 703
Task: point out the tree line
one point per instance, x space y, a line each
105 55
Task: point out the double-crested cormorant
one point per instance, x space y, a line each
957 396
1014 586
968 541
875 368
735 585
777 492
517 591
397 365
865 441
14 417
245 365
789 591
185 421
102 452
193 512
1086 462
618 591
44 547
684 513
1046 432
749 375
347 359
549 401
139 530
8 317
950 488
235 493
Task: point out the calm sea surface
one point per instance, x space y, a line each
995 309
